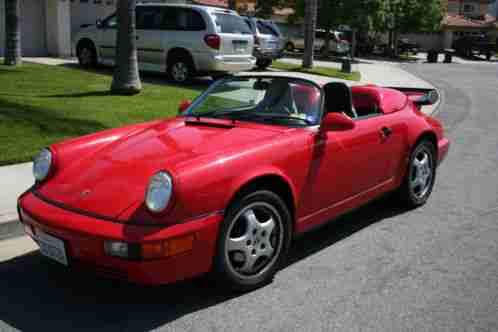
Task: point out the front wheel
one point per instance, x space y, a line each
254 239
87 56
420 176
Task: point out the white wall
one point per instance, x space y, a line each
33 39
2 26
88 13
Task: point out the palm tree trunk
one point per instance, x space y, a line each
310 13
232 4
126 80
12 33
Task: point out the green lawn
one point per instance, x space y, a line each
324 71
41 105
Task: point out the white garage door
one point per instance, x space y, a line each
33 37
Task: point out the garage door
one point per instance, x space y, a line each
33 38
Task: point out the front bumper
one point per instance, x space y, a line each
84 238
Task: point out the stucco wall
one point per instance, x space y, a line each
2 26
33 39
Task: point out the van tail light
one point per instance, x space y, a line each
213 41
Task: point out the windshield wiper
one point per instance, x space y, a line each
286 117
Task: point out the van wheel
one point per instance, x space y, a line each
290 47
253 241
180 69
87 55
262 64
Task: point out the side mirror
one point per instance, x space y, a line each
337 121
98 23
184 104
430 98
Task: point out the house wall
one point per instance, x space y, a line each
33 41
89 12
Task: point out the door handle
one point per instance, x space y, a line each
386 132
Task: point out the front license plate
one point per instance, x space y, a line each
52 247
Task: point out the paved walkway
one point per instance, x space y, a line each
17 178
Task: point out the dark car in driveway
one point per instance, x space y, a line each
469 45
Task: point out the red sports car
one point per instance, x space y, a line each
227 184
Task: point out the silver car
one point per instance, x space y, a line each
181 40
268 40
337 44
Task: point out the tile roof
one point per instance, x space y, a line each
459 21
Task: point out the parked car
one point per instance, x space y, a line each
405 45
253 162
469 44
180 40
337 44
268 40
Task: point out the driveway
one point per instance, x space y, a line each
381 268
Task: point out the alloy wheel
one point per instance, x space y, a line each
179 72
254 240
421 174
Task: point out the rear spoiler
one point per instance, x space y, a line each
420 97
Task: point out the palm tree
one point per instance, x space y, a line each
310 12
12 33
126 80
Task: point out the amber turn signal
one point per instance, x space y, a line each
167 248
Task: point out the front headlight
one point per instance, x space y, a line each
159 192
42 165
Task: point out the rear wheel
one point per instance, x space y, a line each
263 63
420 175
253 241
180 68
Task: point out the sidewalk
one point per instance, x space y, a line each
15 179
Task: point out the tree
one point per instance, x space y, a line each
358 14
126 80
403 16
310 13
12 33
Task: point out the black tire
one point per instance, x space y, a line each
262 64
180 68
408 194
290 47
225 263
87 54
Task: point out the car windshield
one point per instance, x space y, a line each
279 101
228 23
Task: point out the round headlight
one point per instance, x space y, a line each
159 192
42 164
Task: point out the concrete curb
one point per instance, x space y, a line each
10 227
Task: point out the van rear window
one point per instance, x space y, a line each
228 23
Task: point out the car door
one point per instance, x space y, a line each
351 162
107 40
150 41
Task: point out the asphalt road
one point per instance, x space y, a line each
381 268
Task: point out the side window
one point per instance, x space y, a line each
149 18
111 22
365 105
182 19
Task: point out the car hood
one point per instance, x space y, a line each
112 179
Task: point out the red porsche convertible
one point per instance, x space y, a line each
226 185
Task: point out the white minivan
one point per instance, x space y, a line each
180 40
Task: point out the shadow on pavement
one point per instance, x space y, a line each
38 295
